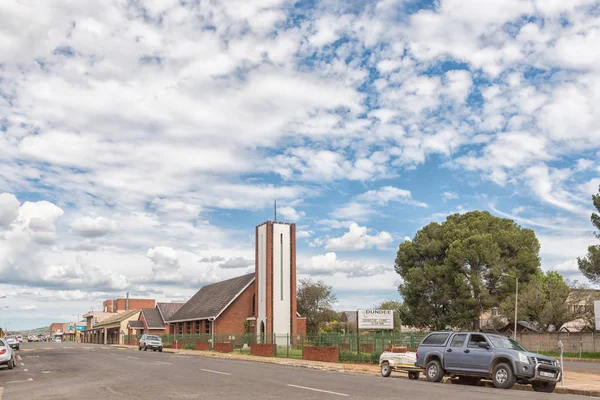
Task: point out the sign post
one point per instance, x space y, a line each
375 319
562 365
597 313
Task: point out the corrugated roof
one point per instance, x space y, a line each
211 300
117 318
153 318
168 309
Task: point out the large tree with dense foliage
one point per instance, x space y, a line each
542 301
590 264
453 271
315 302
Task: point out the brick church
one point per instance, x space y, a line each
264 301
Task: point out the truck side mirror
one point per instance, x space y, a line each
484 345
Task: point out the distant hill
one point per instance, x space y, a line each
44 331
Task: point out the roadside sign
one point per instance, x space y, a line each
375 319
597 314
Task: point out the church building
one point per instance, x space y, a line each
264 301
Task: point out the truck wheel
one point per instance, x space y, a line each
414 375
503 376
546 387
386 370
434 371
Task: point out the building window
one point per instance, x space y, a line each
495 312
253 304
189 327
197 331
206 327
180 328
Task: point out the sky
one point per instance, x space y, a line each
143 140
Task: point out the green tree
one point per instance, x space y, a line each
315 302
452 271
542 301
590 264
395 306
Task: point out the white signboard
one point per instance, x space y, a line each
597 314
375 319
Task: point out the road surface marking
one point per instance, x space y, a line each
319 390
165 363
25 370
133 358
45 372
30 379
1 391
22 365
215 372
121 348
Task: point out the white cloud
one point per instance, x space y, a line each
176 207
386 194
304 234
353 211
290 214
357 238
9 208
328 264
93 227
546 184
237 262
450 195
165 264
334 224
28 307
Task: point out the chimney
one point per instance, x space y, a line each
127 302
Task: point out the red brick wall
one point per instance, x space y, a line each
269 271
158 332
134 304
320 353
293 296
233 318
201 346
301 326
263 350
179 345
223 347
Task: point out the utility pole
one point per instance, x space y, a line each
516 302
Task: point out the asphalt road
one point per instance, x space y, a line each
75 371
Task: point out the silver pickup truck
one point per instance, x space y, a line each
472 356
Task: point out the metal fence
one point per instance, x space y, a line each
351 348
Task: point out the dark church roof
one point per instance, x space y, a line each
211 300
153 318
168 309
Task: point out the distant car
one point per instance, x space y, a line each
20 338
58 339
7 355
13 342
151 342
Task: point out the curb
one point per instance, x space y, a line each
350 368
587 360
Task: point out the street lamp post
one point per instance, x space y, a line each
516 302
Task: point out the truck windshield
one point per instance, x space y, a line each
506 343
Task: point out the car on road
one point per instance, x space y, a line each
151 342
472 356
7 355
20 338
13 342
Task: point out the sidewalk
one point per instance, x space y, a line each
575 382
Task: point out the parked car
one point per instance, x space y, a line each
13 342
472 356
7 355
152 342
20 338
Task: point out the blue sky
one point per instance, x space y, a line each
143 141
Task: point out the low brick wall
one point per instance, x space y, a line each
320 353
201 346
133 342
223 347
179 345
263 350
